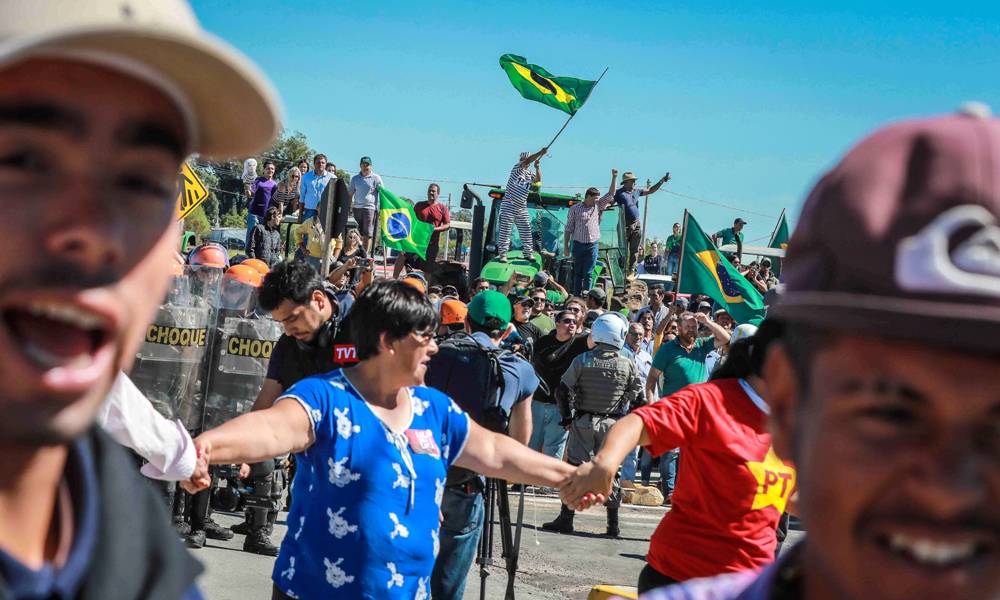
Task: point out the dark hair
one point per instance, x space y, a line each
290 280
434 185
737 363
564 313
269 162
391 307
592 192
492 329
319 156
271 211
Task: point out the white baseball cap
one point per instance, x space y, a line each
230 107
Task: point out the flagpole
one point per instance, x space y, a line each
680 264
776 226
558 133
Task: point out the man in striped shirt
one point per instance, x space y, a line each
514 207
583 228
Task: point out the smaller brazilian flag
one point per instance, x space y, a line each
535 83
400 227
705 271
779 239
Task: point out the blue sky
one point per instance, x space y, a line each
745 104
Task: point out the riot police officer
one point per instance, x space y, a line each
242 343
600 387
315 340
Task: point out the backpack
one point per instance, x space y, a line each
471 375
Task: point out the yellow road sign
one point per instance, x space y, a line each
190 192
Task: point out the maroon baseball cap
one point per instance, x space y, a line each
905 229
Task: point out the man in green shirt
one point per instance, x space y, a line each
672 248
731 235
681 361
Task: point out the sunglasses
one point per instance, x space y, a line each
527 303
575 309
567 321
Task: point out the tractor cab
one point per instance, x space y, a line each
547 213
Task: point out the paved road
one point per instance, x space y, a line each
552 566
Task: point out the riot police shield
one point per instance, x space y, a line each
240 350
170 361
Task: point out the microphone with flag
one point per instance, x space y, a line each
400 227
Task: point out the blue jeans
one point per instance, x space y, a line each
547 435
629 464
308 212
668 470
673 261
584 261
251 223
460 530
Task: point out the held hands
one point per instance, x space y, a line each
200 479
665 178
588 486
614 173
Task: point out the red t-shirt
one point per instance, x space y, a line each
731 488
436 214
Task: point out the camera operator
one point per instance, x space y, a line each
315 341
454 371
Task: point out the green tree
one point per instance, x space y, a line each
198 222
234 218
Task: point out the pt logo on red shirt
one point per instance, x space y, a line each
345 353
775 482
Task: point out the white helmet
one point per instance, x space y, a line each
742 332
610 329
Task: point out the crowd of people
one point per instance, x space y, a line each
396 394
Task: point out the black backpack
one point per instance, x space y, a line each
471 375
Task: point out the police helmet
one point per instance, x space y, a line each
609 329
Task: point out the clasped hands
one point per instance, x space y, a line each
201 479
589 485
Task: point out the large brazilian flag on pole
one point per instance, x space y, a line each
535 83
400 227
704 271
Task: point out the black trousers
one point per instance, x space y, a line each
650 579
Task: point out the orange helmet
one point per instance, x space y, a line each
209 255
258 264
245 275
453 312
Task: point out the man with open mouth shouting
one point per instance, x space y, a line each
133 86
882 385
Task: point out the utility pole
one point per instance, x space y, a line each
645 212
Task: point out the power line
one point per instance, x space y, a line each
238 174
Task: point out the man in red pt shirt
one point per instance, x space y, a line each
437 214
733 488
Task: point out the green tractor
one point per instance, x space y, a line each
547 212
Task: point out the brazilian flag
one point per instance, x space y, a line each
400 227
705 271
535 83
779 239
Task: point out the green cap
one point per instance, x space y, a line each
490 304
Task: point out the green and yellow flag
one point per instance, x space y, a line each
535 83
779 239
400 227
705 271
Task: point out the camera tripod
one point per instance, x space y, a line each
497 505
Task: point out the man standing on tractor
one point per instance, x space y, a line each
628 196
514 208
